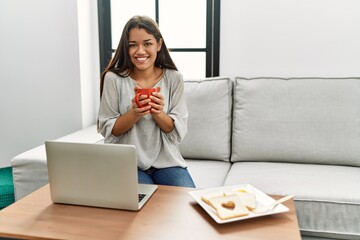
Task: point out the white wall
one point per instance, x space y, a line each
40 93
288 38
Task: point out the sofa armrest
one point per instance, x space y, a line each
30 167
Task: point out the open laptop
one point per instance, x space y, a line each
95 174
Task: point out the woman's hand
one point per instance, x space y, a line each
141 111
165 122
157 102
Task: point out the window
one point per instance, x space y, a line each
190 29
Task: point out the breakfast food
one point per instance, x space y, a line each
229 207
231 204
248 199
206 198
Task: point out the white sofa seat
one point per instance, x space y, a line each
208 173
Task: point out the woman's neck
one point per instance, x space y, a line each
148 78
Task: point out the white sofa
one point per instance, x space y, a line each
296 136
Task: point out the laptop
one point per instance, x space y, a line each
95 174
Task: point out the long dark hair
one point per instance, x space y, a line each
121 63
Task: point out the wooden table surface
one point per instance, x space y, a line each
171 213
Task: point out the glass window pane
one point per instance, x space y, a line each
183 23
123 10
191 64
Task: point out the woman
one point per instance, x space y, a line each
142 60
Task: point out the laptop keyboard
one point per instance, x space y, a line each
141 196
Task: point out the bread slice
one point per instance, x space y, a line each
248 199
228 207
206 198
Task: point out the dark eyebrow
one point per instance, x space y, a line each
147 40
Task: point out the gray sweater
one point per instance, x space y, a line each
154 147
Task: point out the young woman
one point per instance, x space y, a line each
142 60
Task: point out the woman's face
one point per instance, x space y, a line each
143 48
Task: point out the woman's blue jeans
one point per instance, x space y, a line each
172 176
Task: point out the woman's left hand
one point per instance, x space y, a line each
165 122
157 102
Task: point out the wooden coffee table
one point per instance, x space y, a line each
171 213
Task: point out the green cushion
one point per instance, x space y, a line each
6 187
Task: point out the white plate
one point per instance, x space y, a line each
261 199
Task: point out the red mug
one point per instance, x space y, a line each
143 91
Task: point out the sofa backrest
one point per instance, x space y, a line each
209 103
307 120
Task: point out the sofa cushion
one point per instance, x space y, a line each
209 103
208 173
308 120
327 199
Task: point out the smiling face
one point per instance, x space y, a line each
143 49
